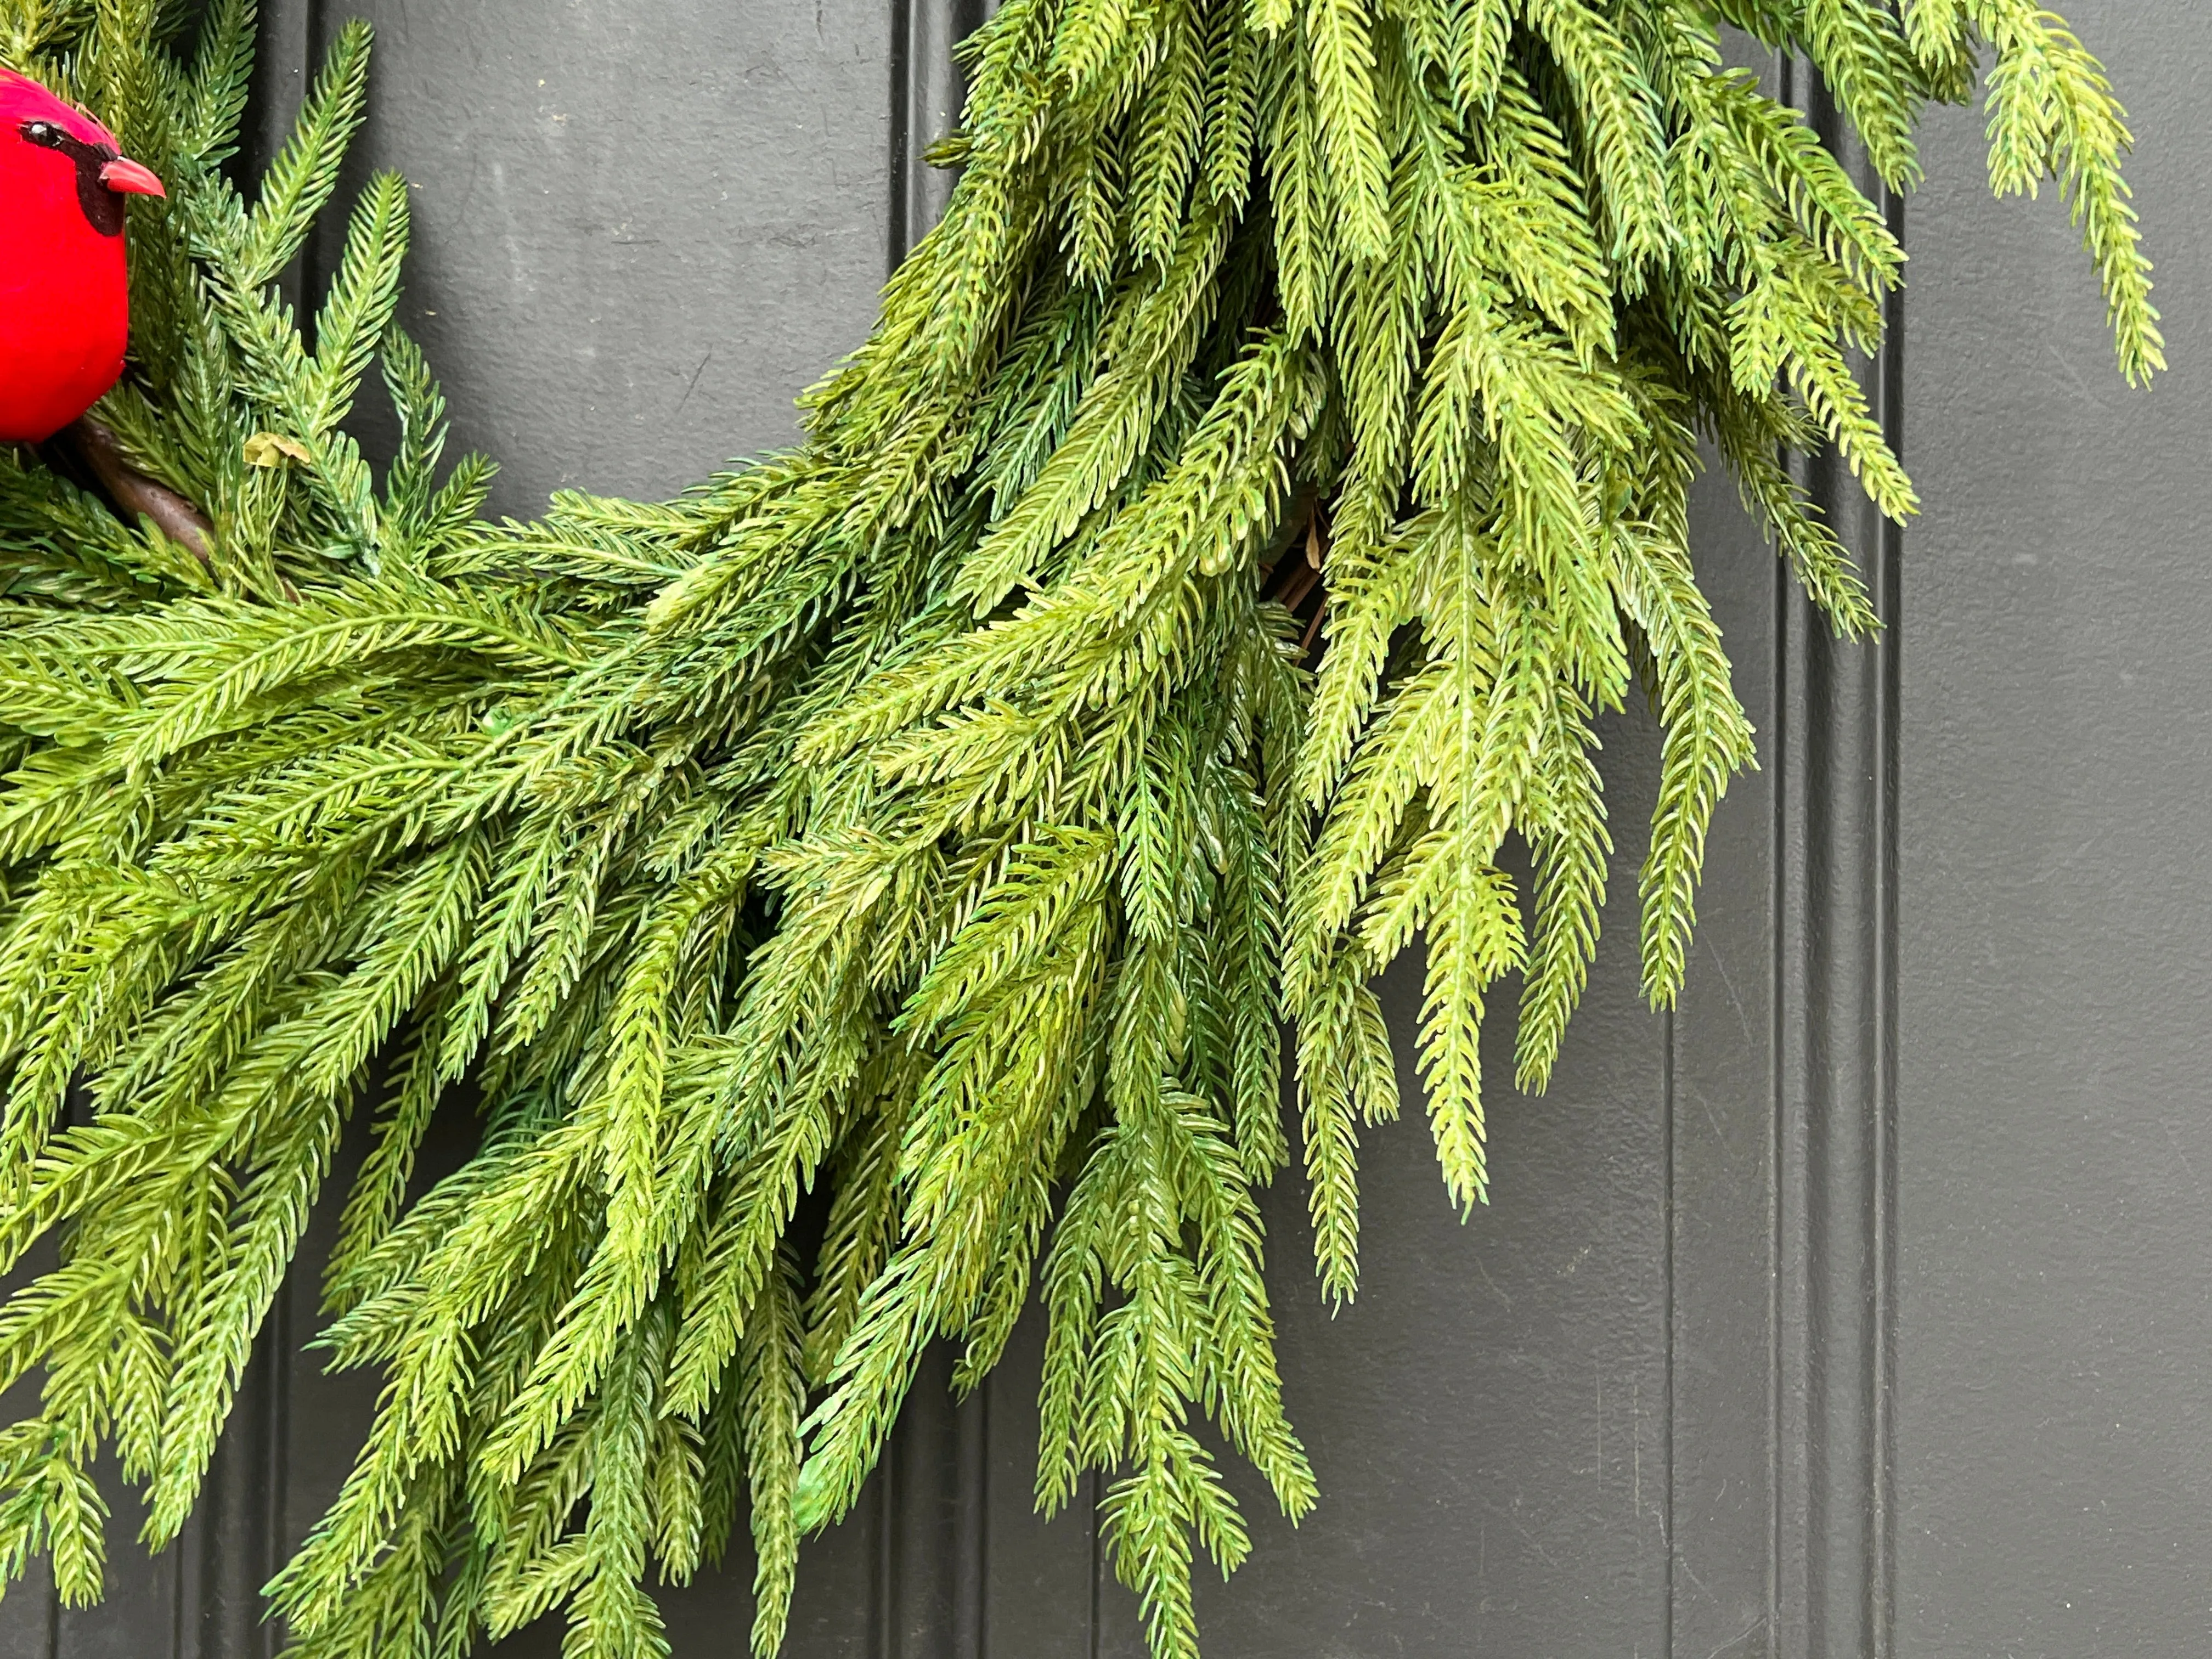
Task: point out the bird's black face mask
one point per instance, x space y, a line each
103 208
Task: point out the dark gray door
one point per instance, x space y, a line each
1863 1306
2054 1311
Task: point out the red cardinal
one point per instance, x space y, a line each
64 307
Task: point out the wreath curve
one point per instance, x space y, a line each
1250 493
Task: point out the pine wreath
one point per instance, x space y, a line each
944 814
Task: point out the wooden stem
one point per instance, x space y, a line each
137 494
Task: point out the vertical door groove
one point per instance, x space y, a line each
927 90
1835 753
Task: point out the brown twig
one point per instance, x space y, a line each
1291 577
137 494
1298 581
1313 631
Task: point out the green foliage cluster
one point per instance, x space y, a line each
942 815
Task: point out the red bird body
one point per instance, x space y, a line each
64 305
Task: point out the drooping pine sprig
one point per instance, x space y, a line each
942 814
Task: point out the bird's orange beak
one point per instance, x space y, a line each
129 178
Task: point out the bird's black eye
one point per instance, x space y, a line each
103 208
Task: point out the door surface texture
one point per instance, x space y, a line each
1862 1306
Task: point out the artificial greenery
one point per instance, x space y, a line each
944 816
